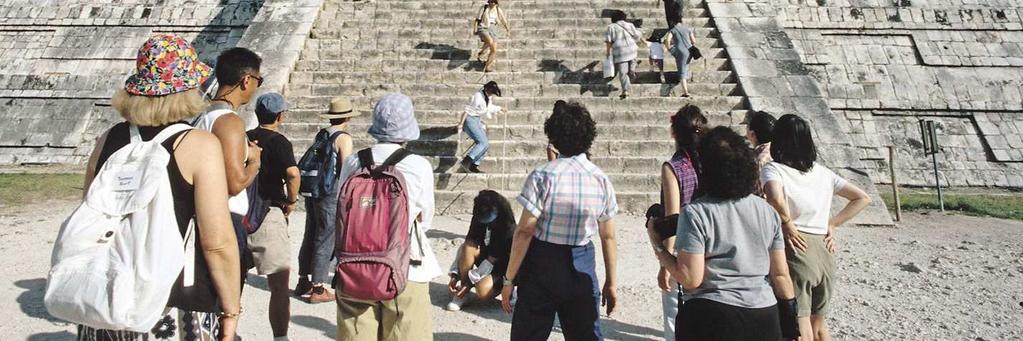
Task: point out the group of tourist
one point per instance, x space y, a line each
743 235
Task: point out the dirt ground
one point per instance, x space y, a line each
935 277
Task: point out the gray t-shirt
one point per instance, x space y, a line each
735 237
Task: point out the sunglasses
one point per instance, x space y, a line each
259 80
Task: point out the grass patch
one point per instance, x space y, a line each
21 189
998 206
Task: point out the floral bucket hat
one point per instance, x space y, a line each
166 65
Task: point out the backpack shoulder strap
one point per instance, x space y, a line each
366 158
395 157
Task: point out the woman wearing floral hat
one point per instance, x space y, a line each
162 93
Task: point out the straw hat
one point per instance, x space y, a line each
340 107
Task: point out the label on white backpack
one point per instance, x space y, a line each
127 181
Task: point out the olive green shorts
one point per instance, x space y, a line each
812 274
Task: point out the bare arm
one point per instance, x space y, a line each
504 21
858 200
775 193
90 169
608 51
230 130
293 177
344 146
520 243
686 268
692 38
609 246
204 165
667 41
779 275
672 198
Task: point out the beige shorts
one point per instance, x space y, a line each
812 273
270 245
405 318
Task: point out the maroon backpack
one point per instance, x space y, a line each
373 241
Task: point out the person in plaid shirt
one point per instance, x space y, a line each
565 202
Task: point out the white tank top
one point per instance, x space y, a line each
238 204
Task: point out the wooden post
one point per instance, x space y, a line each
895 184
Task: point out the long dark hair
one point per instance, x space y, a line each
491 88
734 174
687 124
793 143
488 201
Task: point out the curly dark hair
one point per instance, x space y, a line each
730 169
570 128
686 126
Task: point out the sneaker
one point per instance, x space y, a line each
475 169
321 295
304 287
455 304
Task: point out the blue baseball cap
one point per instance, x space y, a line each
270 104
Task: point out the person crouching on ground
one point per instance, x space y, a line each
480 105
565 203
483 258
730 253
278 184
317 250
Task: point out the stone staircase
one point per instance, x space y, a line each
424 49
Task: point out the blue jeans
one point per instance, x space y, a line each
317 251
557 280
474 128
669 302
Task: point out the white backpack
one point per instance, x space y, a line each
118 255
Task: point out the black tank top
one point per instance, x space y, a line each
202 296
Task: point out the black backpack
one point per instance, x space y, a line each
320 166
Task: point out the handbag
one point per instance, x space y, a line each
609 67
694 53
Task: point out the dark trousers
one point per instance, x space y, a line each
317 251
557 279
706 320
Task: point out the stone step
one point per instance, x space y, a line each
459 200
651 15
533 117
522 90
605 147
426 51
707 103
520 65
556 29
386 42
497 130
309 73
626 182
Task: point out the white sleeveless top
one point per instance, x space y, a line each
238 204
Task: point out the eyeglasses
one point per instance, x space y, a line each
259 80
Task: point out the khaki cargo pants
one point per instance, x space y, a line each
405 318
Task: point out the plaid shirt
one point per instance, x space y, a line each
570 198
685 173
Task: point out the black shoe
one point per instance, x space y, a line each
304 287
466 164
475 169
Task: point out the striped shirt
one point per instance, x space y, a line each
623 36
570 197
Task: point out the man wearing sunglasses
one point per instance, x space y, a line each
237 72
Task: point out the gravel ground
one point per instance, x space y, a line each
935 277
